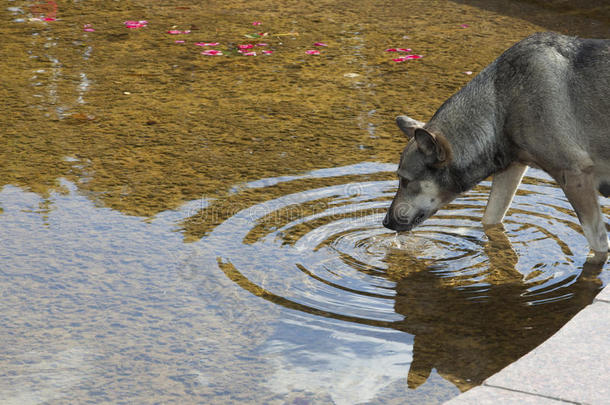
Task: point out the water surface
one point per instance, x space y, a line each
181 228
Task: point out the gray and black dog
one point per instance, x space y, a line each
545 103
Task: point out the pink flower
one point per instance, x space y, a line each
391 50
88 28
257 23
207 43
464 25
176 32
249 53
403 49
320 44
49 19
261 44
267 52
245 46
312 52
211 52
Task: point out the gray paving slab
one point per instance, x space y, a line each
496 396
572 365
604 294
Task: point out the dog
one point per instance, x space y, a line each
544 103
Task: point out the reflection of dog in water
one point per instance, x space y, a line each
543 103
469 327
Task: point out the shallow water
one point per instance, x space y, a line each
181 228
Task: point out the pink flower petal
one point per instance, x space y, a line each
261 44
245 46
211 52
207 43
464 25
407 57
404 49
49 19
257 23
266 52
468 72
88 29
135 24
312 52
249 53
177 32
320 44
391 50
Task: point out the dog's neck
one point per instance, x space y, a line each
472 122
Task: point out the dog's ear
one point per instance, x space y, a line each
436 148
408 125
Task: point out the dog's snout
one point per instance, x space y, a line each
402 217
388 223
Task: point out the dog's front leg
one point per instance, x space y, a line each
581 192
503 188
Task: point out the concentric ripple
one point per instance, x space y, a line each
323 250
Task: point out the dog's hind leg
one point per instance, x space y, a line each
503 188
579 187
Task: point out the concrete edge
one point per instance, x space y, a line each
493 392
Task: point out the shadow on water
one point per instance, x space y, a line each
588 18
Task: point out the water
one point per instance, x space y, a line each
181 228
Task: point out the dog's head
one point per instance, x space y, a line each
424 180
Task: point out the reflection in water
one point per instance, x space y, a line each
469 331
473 300
151 196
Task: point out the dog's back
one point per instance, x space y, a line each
544 101
555 90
